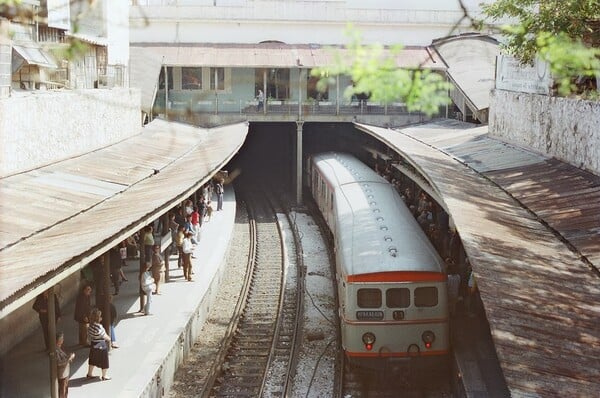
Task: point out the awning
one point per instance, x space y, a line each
527 224
269 55
56 219
90 39
144 69
471 61
32 54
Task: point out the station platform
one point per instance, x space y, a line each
476 369
151 347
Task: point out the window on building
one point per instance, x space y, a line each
191 78
217 79
278 83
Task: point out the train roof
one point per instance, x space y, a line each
376 231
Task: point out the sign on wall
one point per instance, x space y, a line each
59 14
512 76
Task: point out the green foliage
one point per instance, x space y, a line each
531 18
373 71
567 58
552 30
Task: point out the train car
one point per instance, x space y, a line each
392 286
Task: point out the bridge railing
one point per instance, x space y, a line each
219 106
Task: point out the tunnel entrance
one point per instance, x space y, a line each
269 153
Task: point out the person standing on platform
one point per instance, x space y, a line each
453 286
179 243
148 240
188 249
473 296
147 286
63 366
220 190
83 306
40 305
123 254
261 100
116 272
196 223
99 341
202 209
209 211
113 323
157 265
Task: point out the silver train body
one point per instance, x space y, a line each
392 286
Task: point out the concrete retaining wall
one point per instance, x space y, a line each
567 129
41 127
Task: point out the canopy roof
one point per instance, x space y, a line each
55 219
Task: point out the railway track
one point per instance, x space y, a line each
261 343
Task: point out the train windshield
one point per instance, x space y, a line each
368 298
426 296
397 298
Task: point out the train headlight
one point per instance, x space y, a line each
368 340
428 338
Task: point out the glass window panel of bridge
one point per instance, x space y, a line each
217 79
191 78
368 298
278 83
426 296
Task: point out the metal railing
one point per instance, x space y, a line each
218 106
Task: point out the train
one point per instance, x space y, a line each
391 282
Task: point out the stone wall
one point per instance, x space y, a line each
567 129
41 127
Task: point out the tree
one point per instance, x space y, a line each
563 33
374 73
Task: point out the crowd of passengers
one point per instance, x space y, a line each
435 222
184 225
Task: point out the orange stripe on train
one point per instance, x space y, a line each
398 276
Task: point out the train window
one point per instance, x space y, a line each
426 296
397 298
368 298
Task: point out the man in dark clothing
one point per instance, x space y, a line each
115 268
41 307
83 306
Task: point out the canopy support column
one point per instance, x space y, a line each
299 125
52 343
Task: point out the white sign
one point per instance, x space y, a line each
512 76
59 14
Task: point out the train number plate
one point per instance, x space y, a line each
369 315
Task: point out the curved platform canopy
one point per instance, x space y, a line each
531 228
57 218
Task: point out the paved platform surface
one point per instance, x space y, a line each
145 341
475 359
